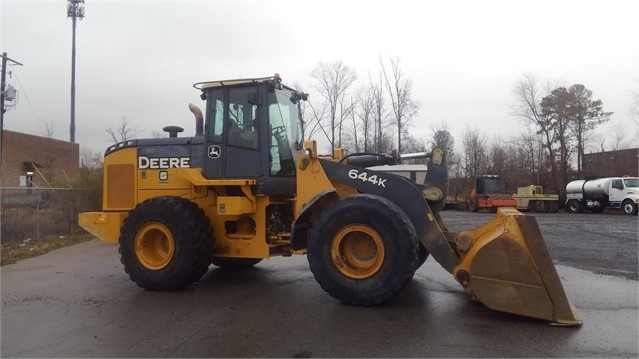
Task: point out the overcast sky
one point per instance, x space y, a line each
139 59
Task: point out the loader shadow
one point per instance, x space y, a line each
255 302
421 301
419 294
275 281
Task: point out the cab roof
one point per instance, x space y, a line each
237 82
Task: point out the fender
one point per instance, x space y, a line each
299 235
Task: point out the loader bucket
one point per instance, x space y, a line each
505 265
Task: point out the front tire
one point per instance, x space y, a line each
363 250
166 243
629 207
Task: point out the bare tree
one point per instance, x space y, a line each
312 117
48 151
530 158
474 152
347 111
528 97
365 114
313 120
48 127
381 141
634 111
400 92
617 134
90 159
412 145
332 81
124 131
501 160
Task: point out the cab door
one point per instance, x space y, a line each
232 134
616 193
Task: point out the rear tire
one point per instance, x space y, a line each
541 207
554 207
363 250
472 205
629 207
166 243
574 206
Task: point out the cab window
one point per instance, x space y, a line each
242 126
216 101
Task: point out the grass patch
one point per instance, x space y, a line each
16 251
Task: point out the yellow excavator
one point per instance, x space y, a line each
247 186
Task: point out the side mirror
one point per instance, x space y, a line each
297 96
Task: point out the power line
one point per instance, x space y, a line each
14 74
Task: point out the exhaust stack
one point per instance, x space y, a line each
199 119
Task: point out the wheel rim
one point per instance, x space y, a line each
154 246
628 208
574 206
357 251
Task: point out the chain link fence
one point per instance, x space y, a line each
29 213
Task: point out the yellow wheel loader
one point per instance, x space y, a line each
247 187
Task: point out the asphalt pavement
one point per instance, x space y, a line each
78 302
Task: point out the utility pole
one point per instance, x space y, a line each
3 78
74 10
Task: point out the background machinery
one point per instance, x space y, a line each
489 193
533 199
247 186
595 195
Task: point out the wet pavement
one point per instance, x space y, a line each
78 302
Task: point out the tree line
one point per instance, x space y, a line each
558 126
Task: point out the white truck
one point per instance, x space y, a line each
598 194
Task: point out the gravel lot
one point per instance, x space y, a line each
600 243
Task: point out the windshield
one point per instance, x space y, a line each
285 125
631 182
285 113
492 185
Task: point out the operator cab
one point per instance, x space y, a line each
489 184
253 130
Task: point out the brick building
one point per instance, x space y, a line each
50 160
612 163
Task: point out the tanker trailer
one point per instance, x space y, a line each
595 195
